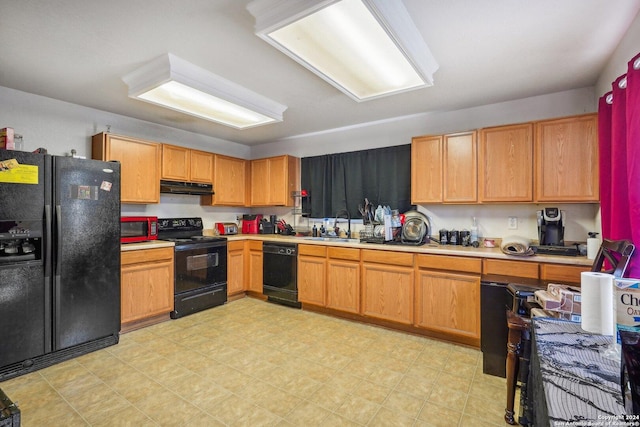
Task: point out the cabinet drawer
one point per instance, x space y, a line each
312 250
437 262
562 273
344 253
146 255
388 257
255 245
236 245
510 268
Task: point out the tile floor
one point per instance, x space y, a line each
253 363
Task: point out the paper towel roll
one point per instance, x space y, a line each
597 302
593 245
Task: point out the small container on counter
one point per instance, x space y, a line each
465 238
444 236
454 237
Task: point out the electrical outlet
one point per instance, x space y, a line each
513 223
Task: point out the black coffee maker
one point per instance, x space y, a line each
551 227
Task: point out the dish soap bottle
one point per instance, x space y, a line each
474 234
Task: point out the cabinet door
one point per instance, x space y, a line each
506 164
448 303
283 180
426 169
146 290
235 267
343 285
460 168
567 160
260 182
278 182
230 183
139 165
387 292
146 283
311 279
255 266
176 164
201 166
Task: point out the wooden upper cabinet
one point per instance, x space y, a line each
259 182
506 163
139 165
460 167
444 168
426 169
201 166
185 164
229 182
273 179
175 163
567 159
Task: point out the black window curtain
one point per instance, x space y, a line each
343 180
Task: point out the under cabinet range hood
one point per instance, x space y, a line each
195 188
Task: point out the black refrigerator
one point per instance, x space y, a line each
59 259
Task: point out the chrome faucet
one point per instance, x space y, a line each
342 212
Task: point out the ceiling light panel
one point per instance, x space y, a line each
174 83
366 48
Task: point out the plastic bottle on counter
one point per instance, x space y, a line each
474 234
314 231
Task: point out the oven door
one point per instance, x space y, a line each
199 266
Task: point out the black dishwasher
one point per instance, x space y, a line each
497 295
280 273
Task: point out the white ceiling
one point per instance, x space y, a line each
488 50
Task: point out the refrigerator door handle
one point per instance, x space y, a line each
56 278
48 235
48 261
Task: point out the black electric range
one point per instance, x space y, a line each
200 269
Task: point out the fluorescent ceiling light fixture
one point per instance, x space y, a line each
174 83
365 48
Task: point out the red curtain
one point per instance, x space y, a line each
619 144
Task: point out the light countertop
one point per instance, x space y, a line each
152 244
429 248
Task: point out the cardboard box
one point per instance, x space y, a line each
547 301
572 317
569 296
6 139
627 303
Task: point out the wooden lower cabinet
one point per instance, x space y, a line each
387 292
343 279
387 285
312 274
235 267
146 284
254 275
448 303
